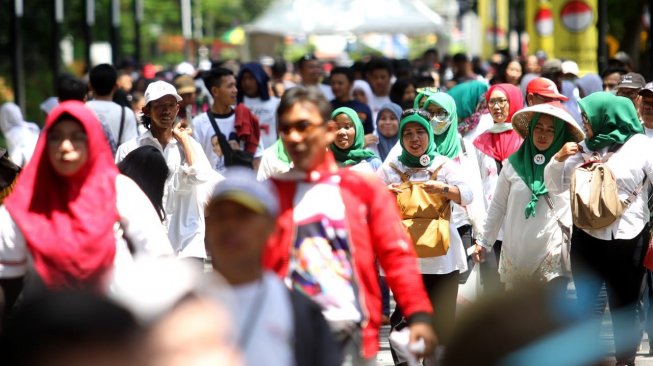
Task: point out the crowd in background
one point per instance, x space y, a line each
348 185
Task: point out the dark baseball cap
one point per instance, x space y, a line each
631 80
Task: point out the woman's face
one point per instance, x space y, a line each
499 106
440 120
388 123
415 139
360 96
513 73
544 132
346 132
67 147
409 93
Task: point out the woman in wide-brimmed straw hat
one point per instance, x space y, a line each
532 243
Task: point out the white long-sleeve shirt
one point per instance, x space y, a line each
451 174
138 220
530 243
186 192
631 165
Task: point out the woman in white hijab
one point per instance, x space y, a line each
21 136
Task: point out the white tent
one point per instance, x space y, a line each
302 17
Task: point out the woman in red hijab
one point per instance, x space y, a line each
496 144
70 207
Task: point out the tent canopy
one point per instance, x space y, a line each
300 17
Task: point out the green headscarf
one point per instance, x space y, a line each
281 152
446 143
613 119
426 92
467 95
406 158
523 160
356 152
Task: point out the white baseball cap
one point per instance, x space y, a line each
160 89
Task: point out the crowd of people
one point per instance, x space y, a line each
265 213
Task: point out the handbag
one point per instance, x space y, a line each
231 157
425 216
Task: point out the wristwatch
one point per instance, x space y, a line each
445 190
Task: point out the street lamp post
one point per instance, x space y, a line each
18 70
56 37
114 33
138 18
89 10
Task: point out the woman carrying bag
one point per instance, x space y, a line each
614 253
425 184
538 217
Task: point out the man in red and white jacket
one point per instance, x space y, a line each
334 224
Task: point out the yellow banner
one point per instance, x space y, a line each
539 25
575 33
491 11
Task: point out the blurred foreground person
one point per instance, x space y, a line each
71 216
532 325
277 326
71 328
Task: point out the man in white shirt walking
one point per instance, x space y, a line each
191 178
228 132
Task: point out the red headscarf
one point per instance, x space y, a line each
501 145
68 222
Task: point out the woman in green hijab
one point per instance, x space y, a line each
445 124
422 180
349 144
613 254
532 242
449 142
471 105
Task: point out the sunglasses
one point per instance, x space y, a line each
302 128
422 113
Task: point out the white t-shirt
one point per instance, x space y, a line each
109 114
265 311
137 215
375 102
266 111
271 165
204 133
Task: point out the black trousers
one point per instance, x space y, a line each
443 292
618 263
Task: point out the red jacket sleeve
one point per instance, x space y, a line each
394 250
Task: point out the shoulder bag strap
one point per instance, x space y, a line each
222 140
122 124
633 195
434 175
549 202
404 177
